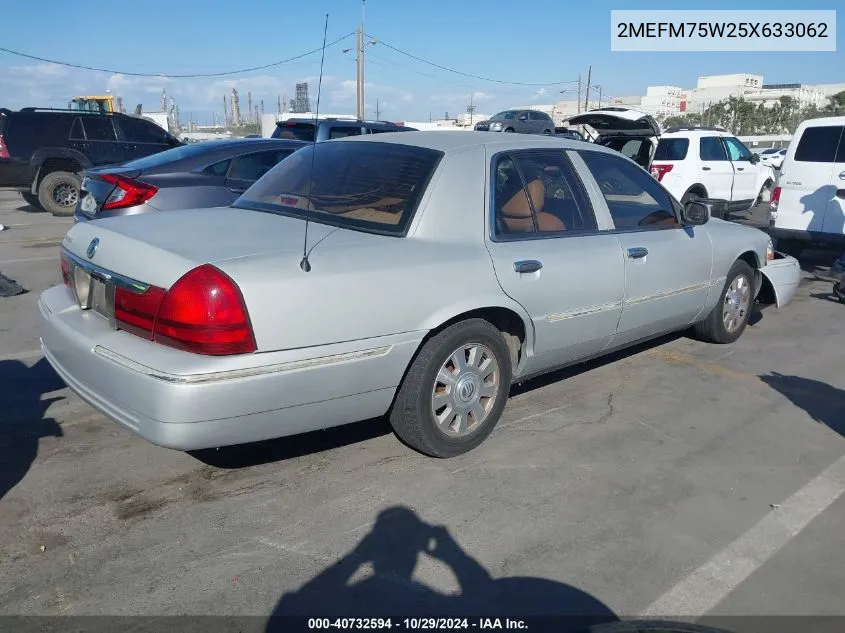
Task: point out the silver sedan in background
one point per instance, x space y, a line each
417 275
208 174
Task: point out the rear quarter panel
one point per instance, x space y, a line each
730 241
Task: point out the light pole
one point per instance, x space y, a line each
359 58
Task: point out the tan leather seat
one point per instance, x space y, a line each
516 212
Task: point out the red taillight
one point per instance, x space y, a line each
4 151
65 264
775 198
204 313
658 171
136 312
127 192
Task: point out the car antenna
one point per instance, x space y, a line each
304 264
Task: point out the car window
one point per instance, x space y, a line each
522 116
712 148
538 116
76 131
218 169
341 132
538 192
634 198
98 128
294 130
142 131
818 144
254 166
672 149
736 150
368 186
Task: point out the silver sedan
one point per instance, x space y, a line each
416 275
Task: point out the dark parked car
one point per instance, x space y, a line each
43 152
520 121
326 129
209 174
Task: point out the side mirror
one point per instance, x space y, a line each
755 158
699 211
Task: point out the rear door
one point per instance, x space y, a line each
553 255
717 172
141 137
834 217
96 138
810 181
245 169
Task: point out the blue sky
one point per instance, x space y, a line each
532 41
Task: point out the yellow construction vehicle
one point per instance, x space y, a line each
95 103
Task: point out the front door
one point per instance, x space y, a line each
550 256
717 173
667 266
745 172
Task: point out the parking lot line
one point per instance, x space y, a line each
700 591
27 259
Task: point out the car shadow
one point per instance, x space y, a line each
22 423
822 402
284 448
376 577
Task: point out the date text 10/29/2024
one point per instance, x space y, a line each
411 624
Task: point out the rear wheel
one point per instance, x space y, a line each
31 200
455 390
728 318
509 130
58 193
547 132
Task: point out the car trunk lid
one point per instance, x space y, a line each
94 190
618 122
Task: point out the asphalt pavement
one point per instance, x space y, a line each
677 479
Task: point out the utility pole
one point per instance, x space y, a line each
599 87
360 59
587 99
470 110
579 94
378 112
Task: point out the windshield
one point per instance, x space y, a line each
294 130
168 156
504 116
368 186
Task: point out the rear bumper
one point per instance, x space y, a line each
271 395
784 276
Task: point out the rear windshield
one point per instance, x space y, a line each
294 130
168 156
368 186
672 149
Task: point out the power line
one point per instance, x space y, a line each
458 72
172 76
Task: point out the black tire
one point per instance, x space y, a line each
31 199
547 132
712 329
412 415
510 130
58 193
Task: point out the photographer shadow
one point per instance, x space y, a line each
375 579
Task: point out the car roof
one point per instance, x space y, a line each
453 141
237 142
824 121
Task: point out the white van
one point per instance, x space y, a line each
808 202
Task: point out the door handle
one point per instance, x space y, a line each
842 175
740 168
527 266
236 190
637 253
706 168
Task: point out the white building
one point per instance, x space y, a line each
710 90
805 95
662 101
829 89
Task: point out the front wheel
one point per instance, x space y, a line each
547 132
455 390
510 130
728 318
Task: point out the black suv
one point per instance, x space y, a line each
327 129
42 151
